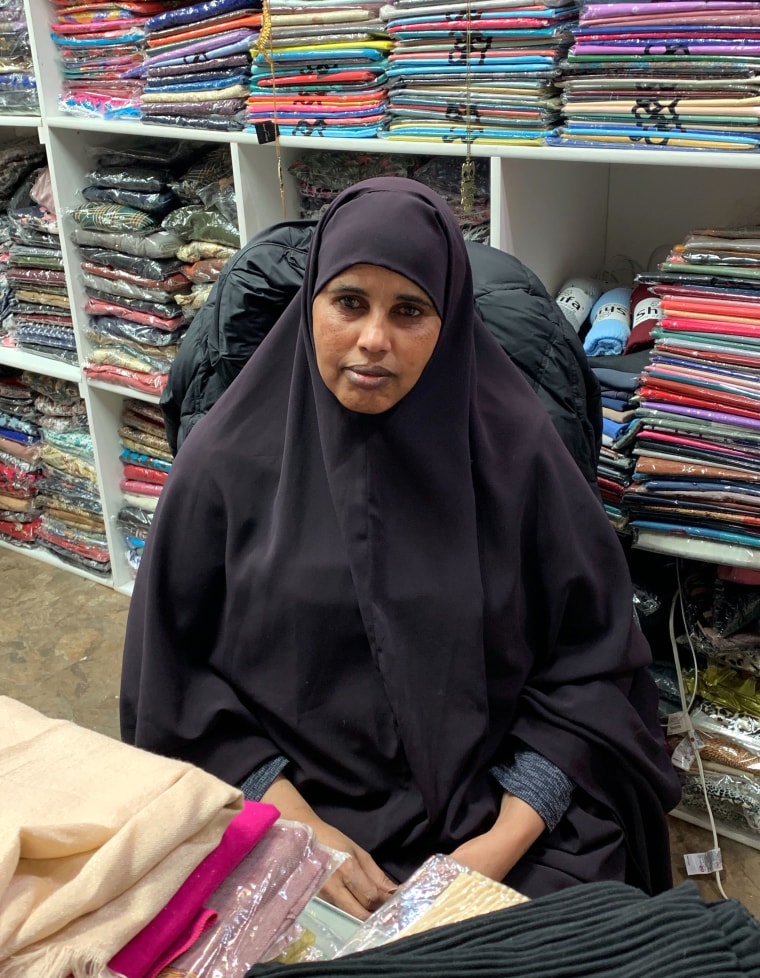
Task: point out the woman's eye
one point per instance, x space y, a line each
349 302
410 311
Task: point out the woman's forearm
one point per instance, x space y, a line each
496 851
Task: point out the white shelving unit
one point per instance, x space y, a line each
562 211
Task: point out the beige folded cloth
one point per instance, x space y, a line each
95 837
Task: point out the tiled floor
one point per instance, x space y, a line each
60 651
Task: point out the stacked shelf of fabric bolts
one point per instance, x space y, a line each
662 73
49 494
18 86
146 458
321 70
489 71
141 231
482 70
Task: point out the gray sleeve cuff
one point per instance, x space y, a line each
257 782
538 782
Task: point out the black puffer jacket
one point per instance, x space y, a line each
259 282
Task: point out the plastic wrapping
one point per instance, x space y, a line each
159 244
18 157
258 903
441 891
719 753
115 218
156 203
129 290
155 269
727 688
221 196
216 164
734 798
196 223
199 250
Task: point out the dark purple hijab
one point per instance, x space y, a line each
394 602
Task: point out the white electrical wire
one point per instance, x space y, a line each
687 707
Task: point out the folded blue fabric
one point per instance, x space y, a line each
198 11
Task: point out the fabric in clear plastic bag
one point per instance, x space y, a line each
115 218
121 377
196 223
117 328
201 250
215 164
101 285
159 244
140 179
157 204
156 269
441 891
259 902
734 798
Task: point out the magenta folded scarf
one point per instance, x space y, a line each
175 928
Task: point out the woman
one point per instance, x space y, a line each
379 594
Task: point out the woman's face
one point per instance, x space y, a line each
374 331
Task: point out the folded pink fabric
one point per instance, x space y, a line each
175 928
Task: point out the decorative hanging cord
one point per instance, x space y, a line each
467 184
264 47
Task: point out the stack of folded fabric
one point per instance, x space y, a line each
18 157
196 70
72 526
206 223
721 630
666 73
19 460
130 270
698 424
103 883
5 256
18 87
147 460
444 175
616 464
606 929
40 308
98 44
321 175
320 70
481 71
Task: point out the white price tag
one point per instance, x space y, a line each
678 723
684 754
698 863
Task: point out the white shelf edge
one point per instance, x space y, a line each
39 364
109 127
37 553
729 831
739 159
20 121
102 385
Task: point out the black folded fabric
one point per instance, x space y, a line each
598 930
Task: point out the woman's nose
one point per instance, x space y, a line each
375 332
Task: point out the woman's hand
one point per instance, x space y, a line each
358 886
495 852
